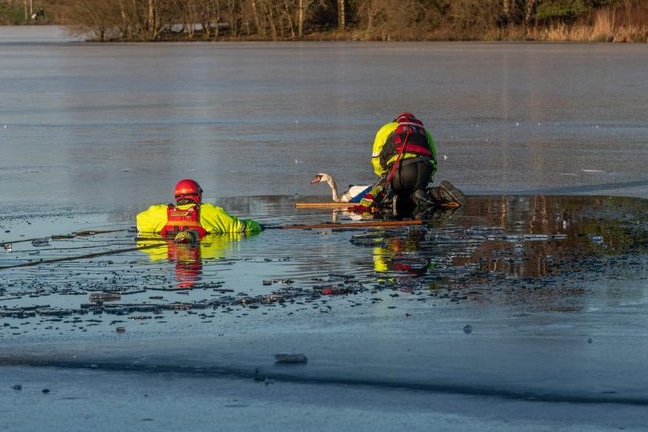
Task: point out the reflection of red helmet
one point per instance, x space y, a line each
188 189
405 116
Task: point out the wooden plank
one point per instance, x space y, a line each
336 205
344 225
331 205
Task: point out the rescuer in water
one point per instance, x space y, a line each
190 219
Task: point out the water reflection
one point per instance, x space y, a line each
518 236
560 253
542 252
540 235
187 257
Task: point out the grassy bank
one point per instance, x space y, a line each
606 26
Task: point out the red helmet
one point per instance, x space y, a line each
188 189
405 116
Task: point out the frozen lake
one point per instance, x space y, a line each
114 126
524 310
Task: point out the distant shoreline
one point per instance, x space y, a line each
60 33
407 20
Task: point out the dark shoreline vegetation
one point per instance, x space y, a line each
356 20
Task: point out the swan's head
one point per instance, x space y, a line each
321 177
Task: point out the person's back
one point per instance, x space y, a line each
404 138
404 157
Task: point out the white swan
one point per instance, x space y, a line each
347 196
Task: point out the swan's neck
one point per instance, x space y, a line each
334 190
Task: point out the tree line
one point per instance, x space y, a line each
151 20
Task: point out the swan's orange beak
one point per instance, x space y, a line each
316 179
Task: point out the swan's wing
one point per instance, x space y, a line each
356 192
356 189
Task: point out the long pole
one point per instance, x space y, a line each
342 225
78 257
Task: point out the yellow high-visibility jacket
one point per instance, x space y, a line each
381 139
213 219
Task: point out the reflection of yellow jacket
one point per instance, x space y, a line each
211 246
213 219
379 259
381 139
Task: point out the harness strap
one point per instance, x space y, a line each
182 220
392 171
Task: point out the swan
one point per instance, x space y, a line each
353 194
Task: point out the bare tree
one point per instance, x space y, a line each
150 19
94 17
304 11
398 19
529 5
470 18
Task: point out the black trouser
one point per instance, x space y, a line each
411 175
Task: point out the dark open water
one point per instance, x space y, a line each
534 290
